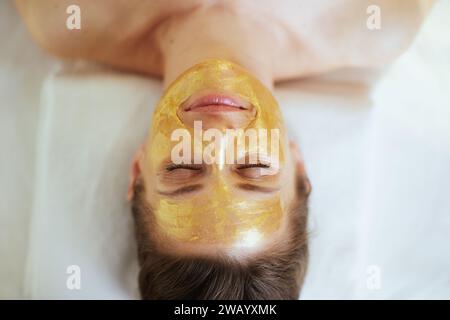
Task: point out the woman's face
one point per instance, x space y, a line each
217 168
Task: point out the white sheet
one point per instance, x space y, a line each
378 161
90 126
23 68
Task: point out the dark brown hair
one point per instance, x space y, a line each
277 273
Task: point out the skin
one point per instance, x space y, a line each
273 42
252 183
212 197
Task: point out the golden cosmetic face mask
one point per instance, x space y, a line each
218 214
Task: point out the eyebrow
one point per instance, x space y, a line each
182 190
253 187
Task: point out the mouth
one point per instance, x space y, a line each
216 103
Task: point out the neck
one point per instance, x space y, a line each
217 33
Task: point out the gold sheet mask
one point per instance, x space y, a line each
218 215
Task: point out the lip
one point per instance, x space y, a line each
216 103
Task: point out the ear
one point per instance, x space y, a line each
300 165
135 171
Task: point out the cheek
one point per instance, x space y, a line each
157 149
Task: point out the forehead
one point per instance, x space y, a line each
219 218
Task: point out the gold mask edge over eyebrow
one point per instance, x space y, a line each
219 215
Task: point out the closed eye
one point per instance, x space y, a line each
173 166
255 165
181 173
255 171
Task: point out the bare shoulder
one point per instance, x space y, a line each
46 21
330 34
111 31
